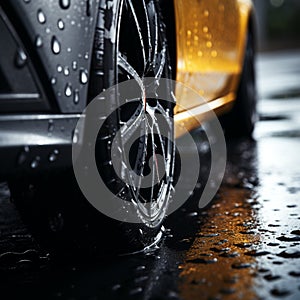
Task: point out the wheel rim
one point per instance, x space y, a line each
149 118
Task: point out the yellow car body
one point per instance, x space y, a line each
211 38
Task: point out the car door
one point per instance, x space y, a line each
208 43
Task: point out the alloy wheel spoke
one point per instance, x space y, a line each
160 62
153 33
145 56
129 69
132 125
148 30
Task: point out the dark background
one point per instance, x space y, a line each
278 24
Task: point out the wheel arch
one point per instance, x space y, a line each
168 12
248 25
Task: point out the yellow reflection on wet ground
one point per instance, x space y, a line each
219 263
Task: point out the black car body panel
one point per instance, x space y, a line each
58 38
45 57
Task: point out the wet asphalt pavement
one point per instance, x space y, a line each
245 245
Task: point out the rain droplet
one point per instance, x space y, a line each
69 49
296 232
136 291
220 250
83 76
214 53
68 90
38 41
27 1
74 65
53 80
55 45
64 4
116 287
243 245
66 71
21 58
140 279
53 155
60 24
289 238
208 44
263 270
86 56
208 235
140 268
273 244
50 126
75 137
204 147
59 68
271 277
294 273
203 261
241 265
76 97
23 156
256 253
289 254
35 163
280 292
41 16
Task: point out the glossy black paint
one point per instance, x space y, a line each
45 58
20 87
58 39
32 144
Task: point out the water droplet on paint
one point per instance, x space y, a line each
55 45
75 137
35 163
66 71
60 24
74 65
53 155
64 4
59 68
83 76
50 126
68 90
76 97
53 80
20 59
38 41
23 156
41 16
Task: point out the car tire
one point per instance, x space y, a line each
52 205
240 121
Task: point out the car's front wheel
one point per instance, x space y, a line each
130 43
